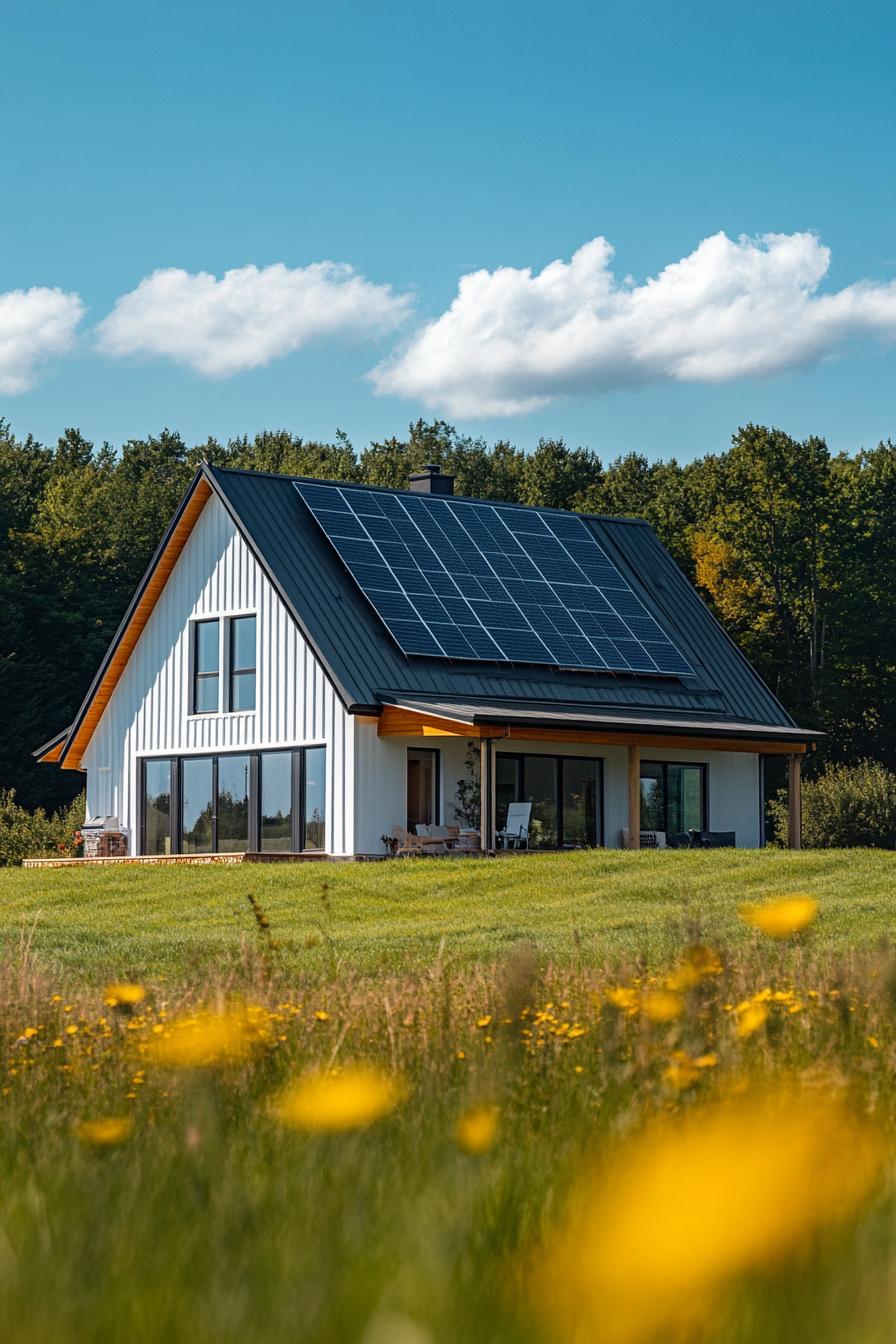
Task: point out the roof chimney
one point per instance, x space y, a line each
431 481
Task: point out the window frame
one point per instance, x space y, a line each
521 756
176 763
436 753
232 670
195 675
702 766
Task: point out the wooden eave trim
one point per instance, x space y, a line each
53 753
397 722
135 622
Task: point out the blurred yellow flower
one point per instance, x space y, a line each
626 1000
781 918
477 1128
105 1133
662 1006
329 1103
697 963
124 995
684 1071
322 1015
649 1243
484 1021
751 1015
205 1039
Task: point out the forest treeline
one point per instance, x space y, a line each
793 547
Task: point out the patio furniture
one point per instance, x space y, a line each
468 841
678 840
407 844
648 839
713 839
516 827
431 842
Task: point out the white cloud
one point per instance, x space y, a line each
248 317
513 341
34 323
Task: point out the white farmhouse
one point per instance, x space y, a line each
305 666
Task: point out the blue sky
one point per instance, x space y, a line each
419 144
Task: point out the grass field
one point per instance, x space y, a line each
590 907
558 1099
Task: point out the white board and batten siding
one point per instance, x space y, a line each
216 575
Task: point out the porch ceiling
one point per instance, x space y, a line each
583 723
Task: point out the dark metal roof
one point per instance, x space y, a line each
368 669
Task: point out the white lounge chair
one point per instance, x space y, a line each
516 827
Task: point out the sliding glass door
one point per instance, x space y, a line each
235 803
565 793
673 797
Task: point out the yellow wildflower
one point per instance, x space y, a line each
485 1021
781 918
124 995
476 1128
322 1015
204 1039
697 963
873 1042
105 1133
649 1243
626 1000
751 1015
29 1032
330 1103
662 1006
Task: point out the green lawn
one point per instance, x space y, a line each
596 907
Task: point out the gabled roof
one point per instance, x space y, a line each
368 669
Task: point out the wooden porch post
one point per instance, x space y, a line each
794 803
634 797
487 794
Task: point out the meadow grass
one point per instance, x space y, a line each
595 906
561 996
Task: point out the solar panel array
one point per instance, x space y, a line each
490 582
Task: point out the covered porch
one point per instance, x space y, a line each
595 777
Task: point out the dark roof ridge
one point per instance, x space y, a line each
397 490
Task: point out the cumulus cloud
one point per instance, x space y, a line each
34 324
513 341
247 318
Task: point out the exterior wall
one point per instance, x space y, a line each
381 796
148 714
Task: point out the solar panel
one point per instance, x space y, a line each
450 578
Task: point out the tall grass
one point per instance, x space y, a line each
208 1218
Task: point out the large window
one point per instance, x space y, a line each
276 770
423 787
565 793
157 808
197 805
234 803
206 667
242 663
673 797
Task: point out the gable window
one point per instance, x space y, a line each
206 667
242 663
673 797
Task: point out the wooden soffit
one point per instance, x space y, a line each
132 628
398 722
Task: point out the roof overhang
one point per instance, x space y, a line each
584 724
52 750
